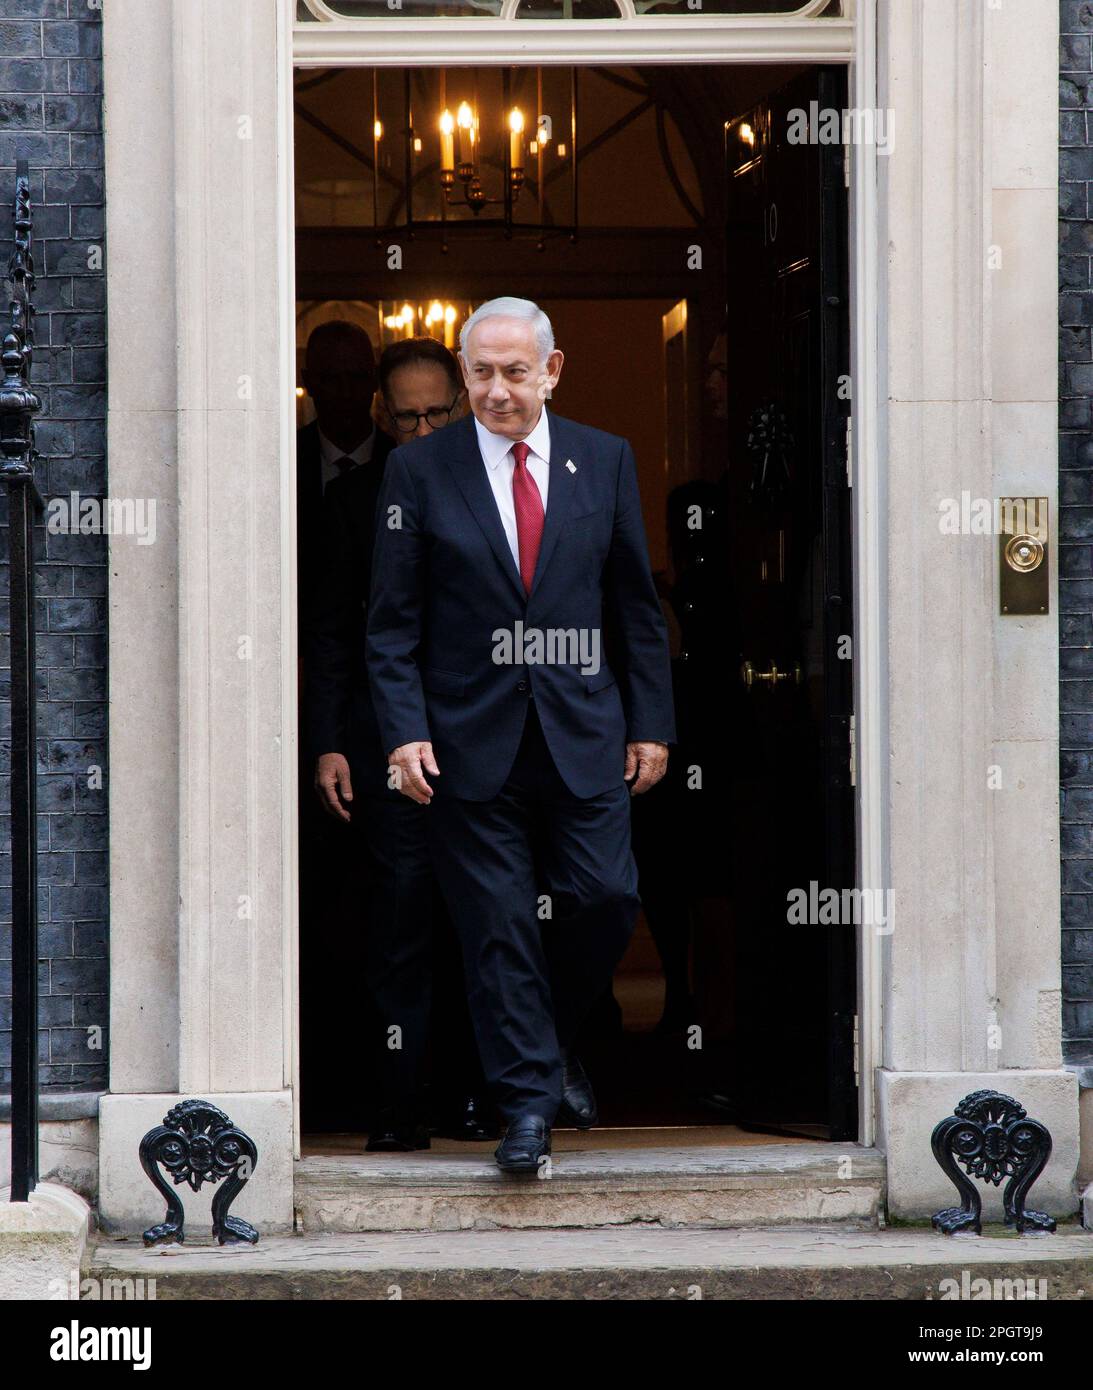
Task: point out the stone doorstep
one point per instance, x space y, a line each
708 1186
637 1262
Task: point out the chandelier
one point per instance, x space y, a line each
464 127
477 144
438 319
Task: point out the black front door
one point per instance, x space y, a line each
789 780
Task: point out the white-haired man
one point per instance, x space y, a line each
506 544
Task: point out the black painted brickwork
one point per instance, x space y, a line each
1076 518
51 114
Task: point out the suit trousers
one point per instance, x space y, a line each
409 944
542 888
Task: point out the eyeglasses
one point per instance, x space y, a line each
436 418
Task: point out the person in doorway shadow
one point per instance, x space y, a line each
339 376
340 379
409 941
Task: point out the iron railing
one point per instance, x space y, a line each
18 406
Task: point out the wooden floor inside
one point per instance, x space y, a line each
570 1140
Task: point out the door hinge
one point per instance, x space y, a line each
850 451
853 753
857 1054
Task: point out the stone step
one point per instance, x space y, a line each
709 1186
634 1262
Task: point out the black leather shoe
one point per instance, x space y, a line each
526 1141
474 1120
389 1135
578 1107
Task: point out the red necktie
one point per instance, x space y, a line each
529 514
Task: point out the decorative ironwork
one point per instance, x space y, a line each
19 404
770 442
195 1144
992 1136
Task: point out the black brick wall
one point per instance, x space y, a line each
1076 518
51 115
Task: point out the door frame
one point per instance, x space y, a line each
801 38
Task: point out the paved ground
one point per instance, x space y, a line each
632 1262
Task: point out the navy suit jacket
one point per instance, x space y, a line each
445 588
311 526
339 717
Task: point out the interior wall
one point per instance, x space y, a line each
613 378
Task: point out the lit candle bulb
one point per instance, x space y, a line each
516 138
447 141
465 121
449 326
377 130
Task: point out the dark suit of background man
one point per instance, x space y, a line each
517 517
340 378
408 938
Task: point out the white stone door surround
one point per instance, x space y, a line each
954 389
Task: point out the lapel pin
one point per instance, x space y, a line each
571 465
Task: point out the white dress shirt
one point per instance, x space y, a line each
328 452
496 451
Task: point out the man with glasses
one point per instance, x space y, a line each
409 939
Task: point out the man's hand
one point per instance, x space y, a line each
332 784
407 763
649 761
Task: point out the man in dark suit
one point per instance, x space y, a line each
340 378
409 941
505 543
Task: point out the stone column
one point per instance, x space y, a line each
203 761
971 993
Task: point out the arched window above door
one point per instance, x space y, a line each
311 11
568 9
